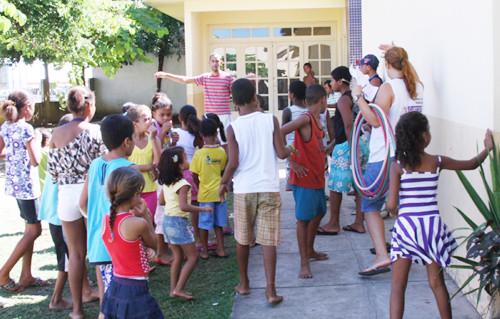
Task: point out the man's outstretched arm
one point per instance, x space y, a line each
174 77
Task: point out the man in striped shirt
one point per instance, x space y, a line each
216 88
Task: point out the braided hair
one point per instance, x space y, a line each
410 142
123 184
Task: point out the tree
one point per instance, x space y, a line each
163 45
9 11
85 33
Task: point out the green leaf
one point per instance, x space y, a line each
483 209
467 219
466 261
463 285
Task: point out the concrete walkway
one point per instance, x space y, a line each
336 291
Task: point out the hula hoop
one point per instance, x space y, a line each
369 191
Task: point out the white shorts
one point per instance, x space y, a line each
68 199
226 121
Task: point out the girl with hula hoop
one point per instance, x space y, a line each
401 94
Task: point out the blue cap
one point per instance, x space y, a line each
370 60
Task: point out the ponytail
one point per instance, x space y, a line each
188 115
220 125
9 110
15 102
222 133
398 58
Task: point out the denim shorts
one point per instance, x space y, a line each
309 203
217 218
176 230
371 173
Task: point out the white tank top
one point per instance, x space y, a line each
402 104
186 140
296 112
257 170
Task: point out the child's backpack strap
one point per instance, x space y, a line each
404 171
439 164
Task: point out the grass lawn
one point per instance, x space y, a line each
212 281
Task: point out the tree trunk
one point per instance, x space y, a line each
83 76
161 59
44 115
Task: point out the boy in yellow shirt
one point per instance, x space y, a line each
207 165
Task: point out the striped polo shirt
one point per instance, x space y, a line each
217 90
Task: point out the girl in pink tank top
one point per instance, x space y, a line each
124 230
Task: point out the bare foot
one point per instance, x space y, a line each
74 315
91 296
272 297
183 294
204 255
242 289
318 256
305 272
61 304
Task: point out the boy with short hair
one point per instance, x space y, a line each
116 131
297 95
255 144
368 66
309 188
207 165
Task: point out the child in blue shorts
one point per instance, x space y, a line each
207 165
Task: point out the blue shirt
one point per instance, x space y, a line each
98 205
48 205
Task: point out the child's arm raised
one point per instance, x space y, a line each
473 163
155 141
232 164
140 226
394 185
186 207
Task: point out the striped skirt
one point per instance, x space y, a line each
423 239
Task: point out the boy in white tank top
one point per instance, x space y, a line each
255 144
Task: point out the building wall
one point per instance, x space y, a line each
453 46
200 14
135 83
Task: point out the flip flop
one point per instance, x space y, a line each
152 269
38 283
228 232
12 286
349 228
215 255
161 263
374 271
204 258
322 231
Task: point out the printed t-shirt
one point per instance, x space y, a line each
21 179
208 163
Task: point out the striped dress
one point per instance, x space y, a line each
419 233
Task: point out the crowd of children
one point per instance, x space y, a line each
126 192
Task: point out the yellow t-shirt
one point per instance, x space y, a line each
172 207
144 156
208 163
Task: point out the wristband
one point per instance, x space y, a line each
292 148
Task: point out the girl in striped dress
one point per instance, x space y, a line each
419 234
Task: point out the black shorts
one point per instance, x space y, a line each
56 232
29 210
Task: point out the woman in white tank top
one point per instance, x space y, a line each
402 94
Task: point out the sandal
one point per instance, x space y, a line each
12 286
38 283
